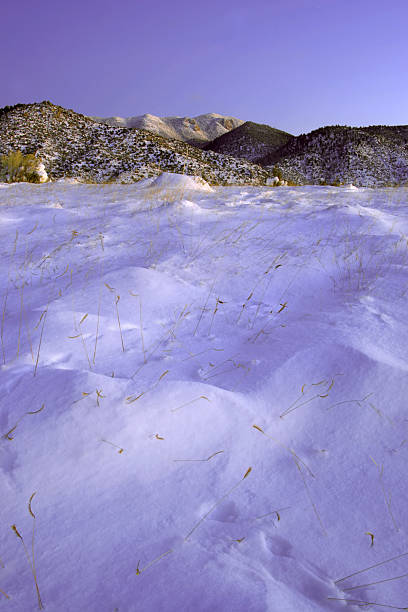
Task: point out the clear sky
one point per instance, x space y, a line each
293 64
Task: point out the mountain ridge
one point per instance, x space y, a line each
249 141
73 145
197 131
372 156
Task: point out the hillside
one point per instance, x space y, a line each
367 156
250 141
197 131
72 145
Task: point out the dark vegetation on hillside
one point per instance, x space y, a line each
72 145
368 156
250 141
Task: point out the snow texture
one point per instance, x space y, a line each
203 398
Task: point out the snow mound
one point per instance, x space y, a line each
182 182
189 206
69 181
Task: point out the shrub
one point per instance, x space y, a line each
277 172
17 167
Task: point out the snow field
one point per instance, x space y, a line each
146 330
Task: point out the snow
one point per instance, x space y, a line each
154 348
42 174
203 128
168 180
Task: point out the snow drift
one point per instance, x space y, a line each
203 412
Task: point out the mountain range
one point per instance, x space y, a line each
197 131
221 149
73 145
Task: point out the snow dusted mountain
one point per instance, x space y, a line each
196 131
72 145
366 156
249 141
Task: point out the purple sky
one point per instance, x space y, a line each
293 64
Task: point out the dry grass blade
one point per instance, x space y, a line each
141 331
29 504
40 605
200 460
28 331
31 560
371 537
18 534
41 337
352 401
139 571
130 399
97 324
217 303
117 315
8 435
362 586
387 497
36 411
80 335
276 512
190 402
20 322
204 308
298 462
366 569
366 603
310 498
99 395
202 519
120 451
295 405
44 312
64 272
5 594
295 457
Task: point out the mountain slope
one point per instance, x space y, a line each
249 141
367 156
196 131
72 145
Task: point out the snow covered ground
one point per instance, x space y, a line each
203 398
